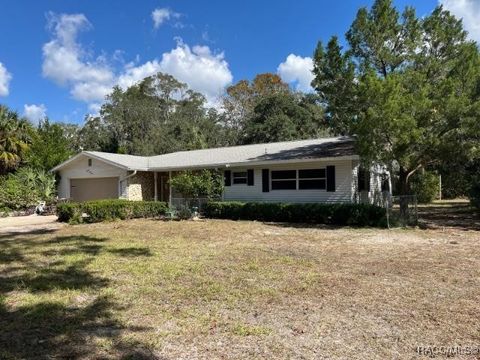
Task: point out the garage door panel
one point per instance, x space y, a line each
94 189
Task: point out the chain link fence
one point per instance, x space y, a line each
401 210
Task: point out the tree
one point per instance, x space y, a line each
240 100
50 146
407 88
283 117
156 116
15 137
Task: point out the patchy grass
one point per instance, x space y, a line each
147 289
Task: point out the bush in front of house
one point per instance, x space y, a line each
106 210
331 214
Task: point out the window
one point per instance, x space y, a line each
240 177
89 162
312 179
284 180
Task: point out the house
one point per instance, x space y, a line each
318 170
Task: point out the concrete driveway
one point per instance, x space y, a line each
20 224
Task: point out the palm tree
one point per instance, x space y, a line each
14 139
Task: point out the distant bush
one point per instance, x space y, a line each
335 214
105 210
425 185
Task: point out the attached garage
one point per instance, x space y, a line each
94 188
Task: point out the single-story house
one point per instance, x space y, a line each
318 170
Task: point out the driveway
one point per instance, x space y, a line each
20 224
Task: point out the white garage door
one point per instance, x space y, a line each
94 189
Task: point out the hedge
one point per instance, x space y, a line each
333 214
104 210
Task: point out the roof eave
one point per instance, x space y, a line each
87 153
253 163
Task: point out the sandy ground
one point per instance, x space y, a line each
19 224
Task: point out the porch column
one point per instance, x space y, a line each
155 186
169 188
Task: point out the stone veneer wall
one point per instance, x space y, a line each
140 186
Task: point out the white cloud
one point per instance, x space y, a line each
5 78
202 70
35 113
297 70
160 15
66 62
469 11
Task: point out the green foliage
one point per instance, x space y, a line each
425 185
156 116
283 117
203 183
50 146
25 188
407 88
15 137
332 214
107 210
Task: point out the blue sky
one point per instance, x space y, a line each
60 58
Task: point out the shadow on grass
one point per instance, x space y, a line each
461 216
131 252
45 328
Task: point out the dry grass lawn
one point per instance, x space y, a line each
228 290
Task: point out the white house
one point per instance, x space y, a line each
318 170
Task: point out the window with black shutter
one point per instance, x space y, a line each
250 176
239 177
265 180
228 177
331 178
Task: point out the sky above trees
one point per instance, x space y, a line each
60 59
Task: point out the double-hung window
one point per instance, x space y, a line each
305 179
309 179
284 180
239 177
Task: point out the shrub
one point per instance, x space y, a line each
425 185
335 214
105 210
25 188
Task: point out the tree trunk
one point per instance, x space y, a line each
403 201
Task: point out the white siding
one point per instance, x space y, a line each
343 184
79 169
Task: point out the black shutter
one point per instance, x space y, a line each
250 177
331 178
228 177
367 180
265 180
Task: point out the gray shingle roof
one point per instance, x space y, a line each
234 155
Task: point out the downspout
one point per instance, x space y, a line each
126 178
